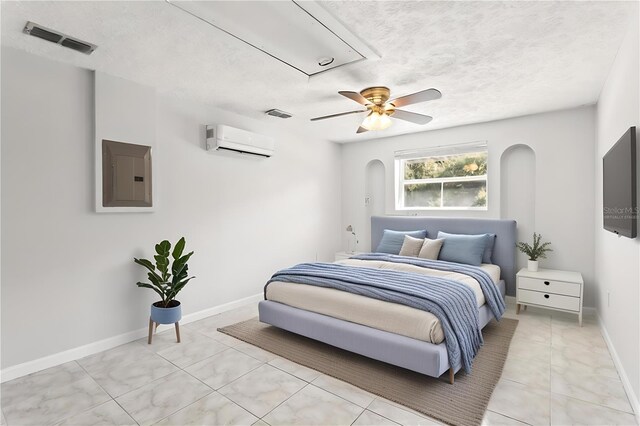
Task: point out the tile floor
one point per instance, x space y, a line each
556 373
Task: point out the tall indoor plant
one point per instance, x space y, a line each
536 251
167 281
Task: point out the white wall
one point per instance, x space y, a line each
617 259
124 111
563 144
67 272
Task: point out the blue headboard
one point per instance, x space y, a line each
504 251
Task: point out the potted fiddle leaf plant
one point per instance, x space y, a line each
536 251
166 278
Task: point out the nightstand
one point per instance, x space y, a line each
342 255
551 289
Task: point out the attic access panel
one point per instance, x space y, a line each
283 30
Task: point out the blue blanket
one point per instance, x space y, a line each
491 291
452 302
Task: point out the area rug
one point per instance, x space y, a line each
461 403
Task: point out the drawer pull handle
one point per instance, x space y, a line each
546 283
546 296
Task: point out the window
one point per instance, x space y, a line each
451 178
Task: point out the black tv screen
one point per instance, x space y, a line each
620 186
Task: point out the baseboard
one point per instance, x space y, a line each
39 364
197 316
633 398
587 311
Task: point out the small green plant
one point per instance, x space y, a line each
537 251
167 283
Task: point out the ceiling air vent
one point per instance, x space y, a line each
78 45
58 38
278 113
44 34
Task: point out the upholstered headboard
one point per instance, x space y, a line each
504 251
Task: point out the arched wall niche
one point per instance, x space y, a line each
374 199
518 191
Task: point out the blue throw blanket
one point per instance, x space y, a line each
452 302
491 291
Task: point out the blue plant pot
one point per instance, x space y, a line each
166 315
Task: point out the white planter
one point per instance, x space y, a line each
532 265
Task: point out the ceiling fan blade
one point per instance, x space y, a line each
355 96
423 96
412 117
336 115
361 130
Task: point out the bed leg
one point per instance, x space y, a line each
451 375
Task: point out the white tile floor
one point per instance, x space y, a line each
556 373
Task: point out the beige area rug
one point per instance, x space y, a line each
463 403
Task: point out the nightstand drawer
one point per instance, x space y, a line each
549 299
549 286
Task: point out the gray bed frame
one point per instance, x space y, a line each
416 355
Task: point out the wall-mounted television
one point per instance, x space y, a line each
620 186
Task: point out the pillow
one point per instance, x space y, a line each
430 249
411 246
392 241
462 248
488 248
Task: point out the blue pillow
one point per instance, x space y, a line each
461 248
488 248
392 241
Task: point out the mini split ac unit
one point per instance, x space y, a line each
221 137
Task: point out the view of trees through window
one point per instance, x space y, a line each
447 181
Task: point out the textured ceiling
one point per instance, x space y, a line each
491 60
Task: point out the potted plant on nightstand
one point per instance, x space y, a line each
535 251
167 282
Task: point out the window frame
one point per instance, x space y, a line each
402 157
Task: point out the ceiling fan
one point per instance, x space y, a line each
380 108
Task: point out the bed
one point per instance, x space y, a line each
396 334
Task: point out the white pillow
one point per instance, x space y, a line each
430 249
411 246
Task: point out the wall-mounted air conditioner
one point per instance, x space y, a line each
221 137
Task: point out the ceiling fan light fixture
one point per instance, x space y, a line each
376 121
380 108
384 122
368 121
